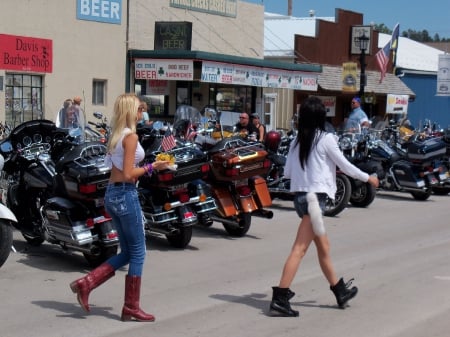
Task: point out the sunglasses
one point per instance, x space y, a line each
242 117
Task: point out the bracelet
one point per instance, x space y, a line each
148 168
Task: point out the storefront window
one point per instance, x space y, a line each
157 104
237 99
23 98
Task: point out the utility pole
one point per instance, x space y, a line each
290 7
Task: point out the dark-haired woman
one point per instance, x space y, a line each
311 166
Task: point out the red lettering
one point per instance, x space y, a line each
145 74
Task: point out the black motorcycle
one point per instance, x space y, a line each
55 188
176 199
413 167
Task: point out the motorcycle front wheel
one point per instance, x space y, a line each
6 240
341 198
363 195
243 225
182 238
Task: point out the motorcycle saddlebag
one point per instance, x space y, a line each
224 200
239 163
84 173
426 150
67 221
405 175
262 192
191 164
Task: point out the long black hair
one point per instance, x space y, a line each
311 122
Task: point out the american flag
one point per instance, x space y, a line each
168 142
382 58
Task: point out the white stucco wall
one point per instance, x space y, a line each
82 51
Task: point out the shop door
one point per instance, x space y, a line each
270 110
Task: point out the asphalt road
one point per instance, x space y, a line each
397 250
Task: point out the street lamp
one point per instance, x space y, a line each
362 42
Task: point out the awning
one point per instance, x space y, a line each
223 69
331 80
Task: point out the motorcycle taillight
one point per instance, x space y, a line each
266 163
204 168
232 172
90 222
87 188
244 190
168 176
183 197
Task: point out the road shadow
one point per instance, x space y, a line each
72 310
260 301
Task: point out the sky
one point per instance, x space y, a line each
430 15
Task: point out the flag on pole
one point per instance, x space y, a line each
168 142
394 43
382 56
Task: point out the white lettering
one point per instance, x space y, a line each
100 8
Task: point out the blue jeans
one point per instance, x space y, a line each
301 204
122 204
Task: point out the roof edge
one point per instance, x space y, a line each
207 56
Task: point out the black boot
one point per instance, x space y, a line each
290 294
343 292
280 305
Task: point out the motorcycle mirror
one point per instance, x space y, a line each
98 114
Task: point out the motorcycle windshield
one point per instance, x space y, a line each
187 119
71 118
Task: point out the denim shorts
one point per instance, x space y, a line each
301 204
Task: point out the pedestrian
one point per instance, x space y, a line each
244 127
145 120
261 133
357 116
122 204
62 120
311 166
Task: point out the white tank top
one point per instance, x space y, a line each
116 157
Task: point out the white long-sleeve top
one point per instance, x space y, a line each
319 175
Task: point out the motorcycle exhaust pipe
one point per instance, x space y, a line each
223 220
93 250
263 213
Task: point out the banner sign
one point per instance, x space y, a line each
443 75
349 70
157 87
397 104
216 7
225 73
161 69
26 53
330 104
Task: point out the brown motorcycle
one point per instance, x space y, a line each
237 185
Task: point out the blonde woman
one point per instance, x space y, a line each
122 204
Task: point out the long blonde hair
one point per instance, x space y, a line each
125 116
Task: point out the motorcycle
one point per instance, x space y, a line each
277 147
236 181
7 218
176 199
413 166
101 128
236 169
55 187
354 146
